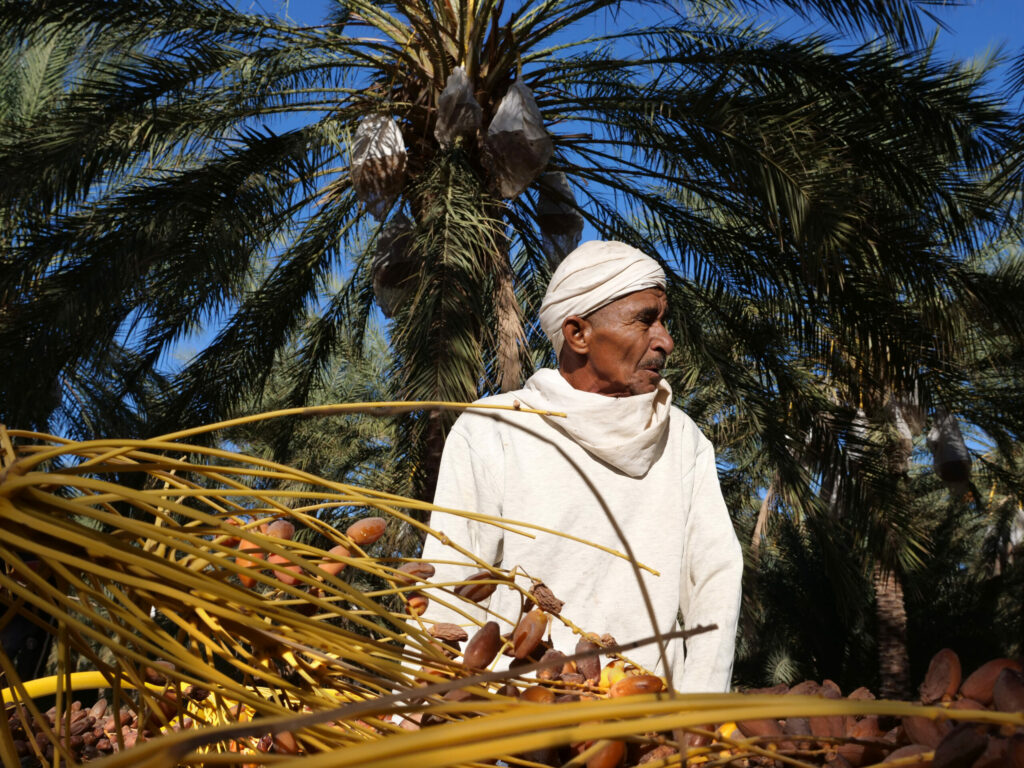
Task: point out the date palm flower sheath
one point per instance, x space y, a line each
634 468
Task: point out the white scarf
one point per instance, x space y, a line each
625 432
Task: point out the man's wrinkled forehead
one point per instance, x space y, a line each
653 299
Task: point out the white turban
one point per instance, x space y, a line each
592 276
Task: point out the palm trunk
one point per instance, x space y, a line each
762 522
511 338
891 636
434 446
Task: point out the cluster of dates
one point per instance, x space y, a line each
559 677
362 533
911 741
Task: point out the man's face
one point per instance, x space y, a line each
628 343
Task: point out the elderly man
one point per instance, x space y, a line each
625 470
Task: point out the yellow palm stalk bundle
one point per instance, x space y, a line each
130 552
171 569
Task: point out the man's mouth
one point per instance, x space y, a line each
653 365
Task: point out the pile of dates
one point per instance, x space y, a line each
93 732
844 742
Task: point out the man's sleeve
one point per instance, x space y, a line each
711 577
467 480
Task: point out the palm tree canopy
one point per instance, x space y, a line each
770 169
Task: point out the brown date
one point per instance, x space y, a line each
413 573
978 685
483 646
633 685
417 604
528 633
942 678
288 574
281 529
474 590
334 567
366 531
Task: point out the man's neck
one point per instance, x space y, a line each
583 379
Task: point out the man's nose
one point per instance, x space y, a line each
662 340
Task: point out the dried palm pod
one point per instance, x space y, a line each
449 633
559 219
806 688
589 666
552 663
413 573
867 747
377 163
538 694
924 730
394 266
519 147
828 726
764 728
1008 691
609 756
950 457
417 604
797 726
633 685
960 747
546 599
458 112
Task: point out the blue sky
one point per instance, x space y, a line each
982 25
975 25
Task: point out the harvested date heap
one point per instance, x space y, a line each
837 741
910 740
94 731
98 730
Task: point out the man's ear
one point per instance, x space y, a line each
576 332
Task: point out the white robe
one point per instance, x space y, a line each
647 466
